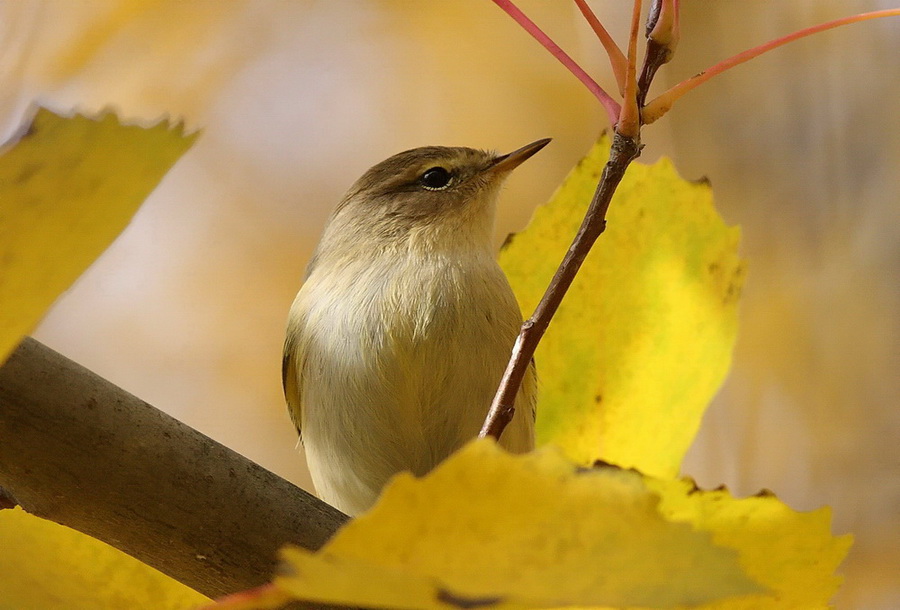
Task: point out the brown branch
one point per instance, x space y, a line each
80 451
624 150
656 55
626 147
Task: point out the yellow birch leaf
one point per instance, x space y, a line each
644 337
793 554
487 528
45 565
68 187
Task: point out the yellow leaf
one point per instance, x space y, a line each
68 187
45 565
643 339
792 554
489 528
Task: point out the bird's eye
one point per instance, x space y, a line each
436 179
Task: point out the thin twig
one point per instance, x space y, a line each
624 150
626 147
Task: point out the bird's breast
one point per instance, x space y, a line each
413 346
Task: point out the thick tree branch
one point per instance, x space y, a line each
80 451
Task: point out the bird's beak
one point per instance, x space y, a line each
507 163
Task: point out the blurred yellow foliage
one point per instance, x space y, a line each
537 531
644 337
791 553
68 187
45 565
487 527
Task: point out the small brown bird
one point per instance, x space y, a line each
398 338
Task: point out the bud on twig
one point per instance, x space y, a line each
663 33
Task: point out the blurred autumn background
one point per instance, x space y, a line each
297 98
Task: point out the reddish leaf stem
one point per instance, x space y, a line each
268 595
629 123
662 104
611 105
617 59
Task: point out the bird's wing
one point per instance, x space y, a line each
291 363
294 355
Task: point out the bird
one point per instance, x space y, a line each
399 335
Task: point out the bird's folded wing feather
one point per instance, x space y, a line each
290 377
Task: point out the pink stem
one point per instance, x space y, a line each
617 59
660 105
611 105
629 120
